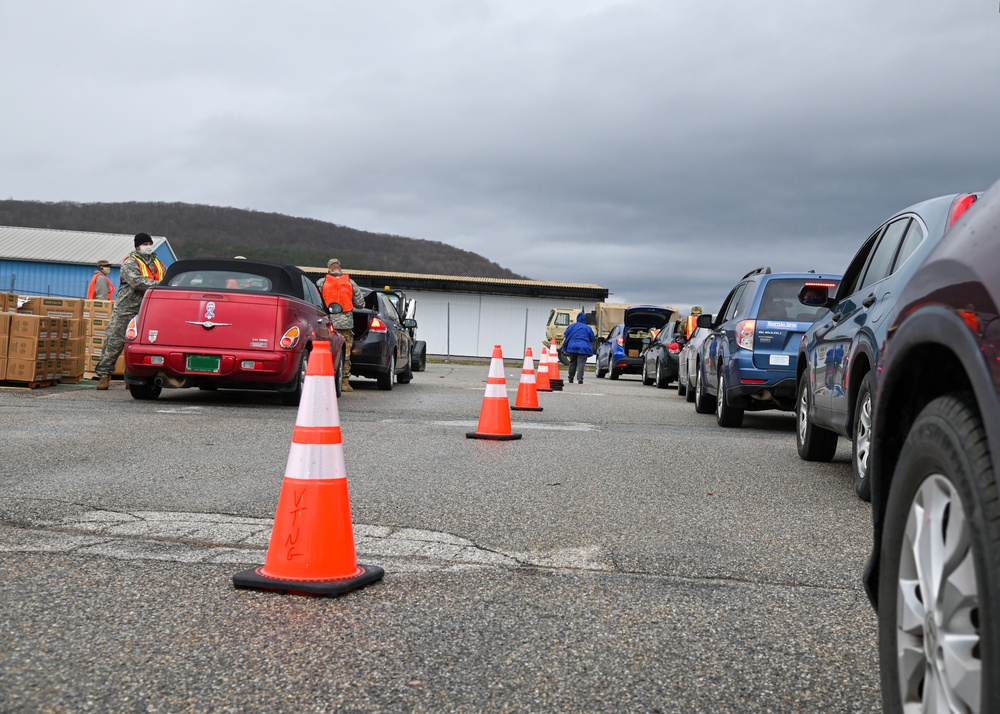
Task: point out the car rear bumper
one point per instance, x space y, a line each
236 367
773 394
369 356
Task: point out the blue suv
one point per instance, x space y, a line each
748 359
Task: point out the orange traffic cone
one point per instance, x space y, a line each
312 542
494 418
542 375
555 379
527 395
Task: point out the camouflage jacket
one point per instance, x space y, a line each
133 283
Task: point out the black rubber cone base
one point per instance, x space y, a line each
527 409
253 579
492 437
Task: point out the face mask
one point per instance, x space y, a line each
146 249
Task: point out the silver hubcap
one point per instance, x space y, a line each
803 421
863 435
937 605
721 398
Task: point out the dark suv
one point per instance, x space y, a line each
748 358
839 355
934 571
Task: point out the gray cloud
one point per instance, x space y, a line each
659 149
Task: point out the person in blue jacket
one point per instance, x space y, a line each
578 345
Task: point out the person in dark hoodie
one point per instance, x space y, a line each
578 345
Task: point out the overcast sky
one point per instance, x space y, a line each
659 148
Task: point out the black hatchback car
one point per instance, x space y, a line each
934 571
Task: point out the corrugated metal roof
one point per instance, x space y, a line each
59 246
458 279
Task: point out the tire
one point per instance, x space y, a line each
726 415
689 393
144 391
862 443
613 371
293 397
681 389
813 443
385 379
599 372
407 376
338 371
418 358
660 381
939 575
646 379
703 403
563 359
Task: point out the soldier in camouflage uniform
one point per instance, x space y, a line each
139 271
349 296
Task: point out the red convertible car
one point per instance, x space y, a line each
235 324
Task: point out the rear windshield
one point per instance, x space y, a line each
221 280
781 302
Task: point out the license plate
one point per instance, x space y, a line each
203 363
781 360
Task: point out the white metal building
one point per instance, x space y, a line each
465 317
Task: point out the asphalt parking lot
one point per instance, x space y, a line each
625 555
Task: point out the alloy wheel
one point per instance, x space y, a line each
863 435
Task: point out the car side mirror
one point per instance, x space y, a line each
814 295
410 323
335 308
704 321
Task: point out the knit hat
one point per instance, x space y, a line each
142 239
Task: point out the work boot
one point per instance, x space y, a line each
346 387
104 382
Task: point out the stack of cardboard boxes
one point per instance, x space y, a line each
45 340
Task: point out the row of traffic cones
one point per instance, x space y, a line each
494 417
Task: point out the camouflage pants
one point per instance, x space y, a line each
114 341
348 336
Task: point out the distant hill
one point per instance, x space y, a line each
197 231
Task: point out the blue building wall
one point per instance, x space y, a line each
26 277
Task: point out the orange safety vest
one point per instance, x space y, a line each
93 287
339 289
156 273
692 324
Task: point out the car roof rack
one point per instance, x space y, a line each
765 269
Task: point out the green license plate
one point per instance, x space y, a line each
203 363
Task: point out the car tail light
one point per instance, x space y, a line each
132 331
250 364
817 284
673 348
744 334
620 341
754 381
152 359
959 207
377 325
290 338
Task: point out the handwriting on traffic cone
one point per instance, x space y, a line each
312 542
494 417
542 375
527 394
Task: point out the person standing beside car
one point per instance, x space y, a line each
140 271
578 345
101 287
337 287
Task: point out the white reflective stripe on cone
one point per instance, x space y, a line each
496 368
318 406
528 377
496 390
315 461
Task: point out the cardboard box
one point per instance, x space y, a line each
120 365
3 302
27 348
72 348
26 370
97 308
4 344
3 367
62 307
90 363
97 326
633 353
29 326
93 345
73 329
71 370
4 323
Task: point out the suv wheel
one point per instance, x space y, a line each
940 566
726 415
813 443
689 393
861 447
703 403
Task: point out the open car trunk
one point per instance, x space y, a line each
362 321
633 340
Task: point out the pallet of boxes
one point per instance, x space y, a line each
44 340
96 318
